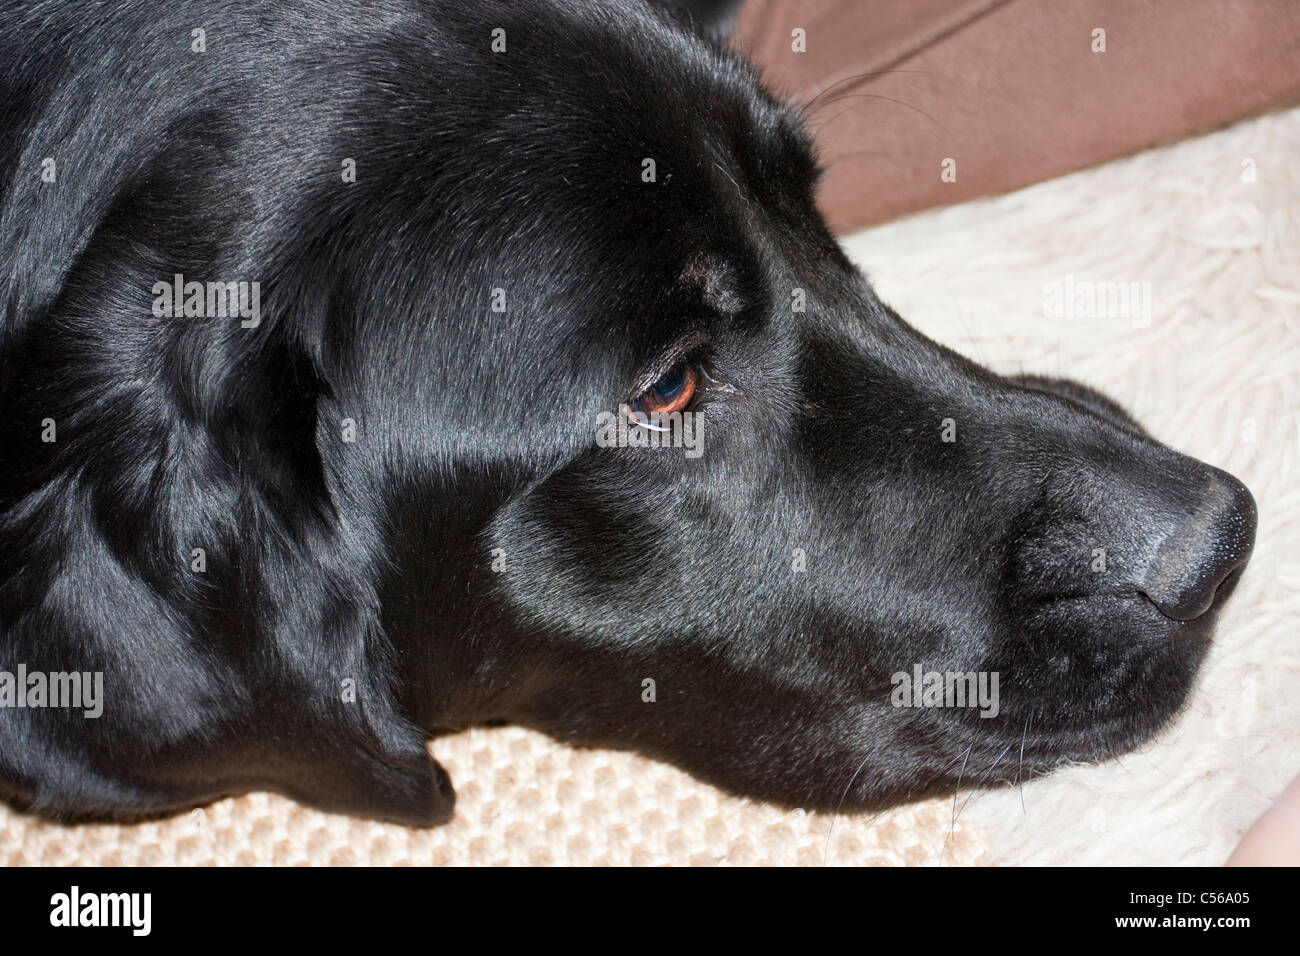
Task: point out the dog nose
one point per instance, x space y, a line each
1194 554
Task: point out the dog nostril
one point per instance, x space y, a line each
1186 604
1190 562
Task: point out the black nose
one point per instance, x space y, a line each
1194 552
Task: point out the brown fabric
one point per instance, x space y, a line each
1009 89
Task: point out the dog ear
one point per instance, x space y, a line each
370 762
99 264
714 18
201 429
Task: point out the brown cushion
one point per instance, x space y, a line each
1009 89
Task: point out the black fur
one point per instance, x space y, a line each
373 560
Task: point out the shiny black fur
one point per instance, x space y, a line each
473 556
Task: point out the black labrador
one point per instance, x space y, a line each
376 370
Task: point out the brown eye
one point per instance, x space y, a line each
672 393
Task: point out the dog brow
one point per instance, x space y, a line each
715 280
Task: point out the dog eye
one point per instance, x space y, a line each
672 393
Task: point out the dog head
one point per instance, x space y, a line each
436 466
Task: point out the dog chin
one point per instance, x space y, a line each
1088 706
1102 704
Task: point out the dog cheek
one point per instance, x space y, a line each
574 557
